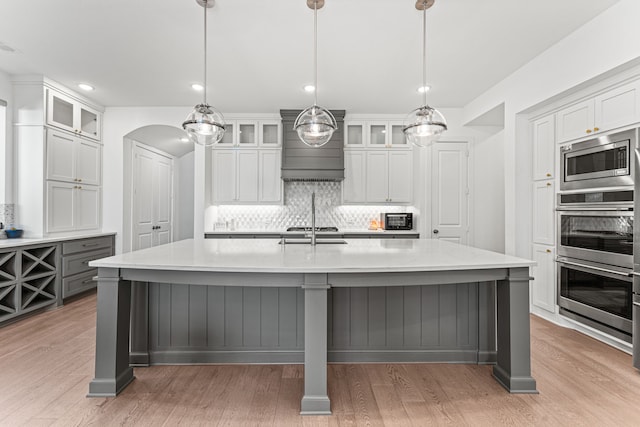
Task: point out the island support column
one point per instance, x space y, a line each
513 368
315 400
113 372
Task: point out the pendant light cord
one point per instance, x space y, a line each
205 52
424 52
315 51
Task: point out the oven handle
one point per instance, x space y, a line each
605 270
594 209
636 304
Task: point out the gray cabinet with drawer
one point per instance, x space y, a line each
77 275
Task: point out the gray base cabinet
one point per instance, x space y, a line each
40 275
77 276
28 279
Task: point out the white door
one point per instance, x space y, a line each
450 192
152 195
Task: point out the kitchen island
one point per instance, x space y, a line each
226 280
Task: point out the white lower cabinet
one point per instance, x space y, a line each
72 207
543 287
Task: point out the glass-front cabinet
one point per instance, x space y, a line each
270 133
71 115
375 134
252 133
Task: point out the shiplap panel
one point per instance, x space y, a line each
269 326
215 318
377 317
251 317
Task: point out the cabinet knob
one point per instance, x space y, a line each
436 231
79 180
596 129
548 184
548 251
549 175
589 130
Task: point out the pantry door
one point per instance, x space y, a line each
450 192
152 198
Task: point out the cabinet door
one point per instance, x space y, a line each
88 122
377 176
377 134
355 134
60 156
60 206
355 176
543 212
228 139
575 121
247 176
270 182
618 107
270 133
87 207
543 287
88 162
400 176
247 134
60 111
397 137
544 148
224 176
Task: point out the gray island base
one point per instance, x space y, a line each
248 301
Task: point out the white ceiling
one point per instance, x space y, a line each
147 53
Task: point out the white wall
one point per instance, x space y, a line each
488 184
608 41
6 143
118 122
184 197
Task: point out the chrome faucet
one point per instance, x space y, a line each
313 218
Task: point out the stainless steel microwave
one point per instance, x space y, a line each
600 162
397 221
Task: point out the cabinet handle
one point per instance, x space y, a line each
596 129
87 281
86 245
589 131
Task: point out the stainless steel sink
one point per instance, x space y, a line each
307 241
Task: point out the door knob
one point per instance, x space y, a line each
436 231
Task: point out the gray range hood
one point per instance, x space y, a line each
303 163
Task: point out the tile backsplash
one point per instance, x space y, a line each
296 211
7 214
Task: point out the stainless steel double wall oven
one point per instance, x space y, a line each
596 233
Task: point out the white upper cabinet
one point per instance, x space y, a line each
612 109
544 148
66 113
388 177
73 159
355 176
72 207
270 181
400 176
270 133
375 134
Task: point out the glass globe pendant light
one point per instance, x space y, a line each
205 125
425 124
315 125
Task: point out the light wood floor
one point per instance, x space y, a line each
46 363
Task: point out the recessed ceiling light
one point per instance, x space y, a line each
86 87
309 88
197 86
423 89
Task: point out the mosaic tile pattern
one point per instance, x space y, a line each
7 214
296 210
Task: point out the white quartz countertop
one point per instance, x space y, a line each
12 243
357 256
339 232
